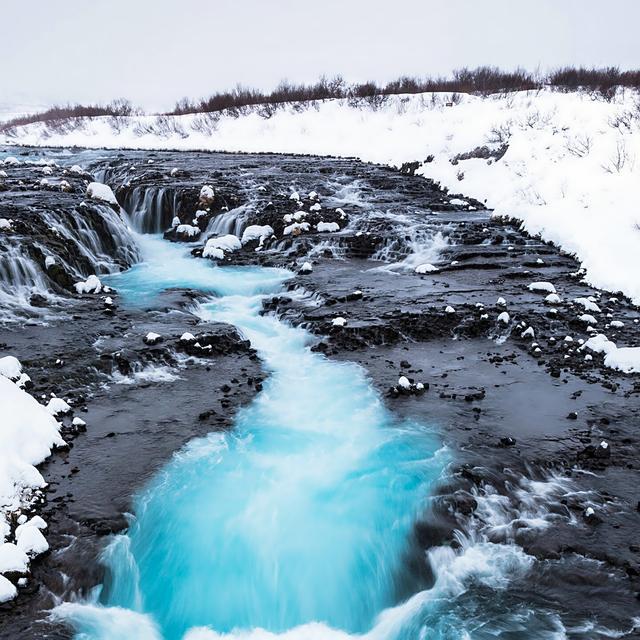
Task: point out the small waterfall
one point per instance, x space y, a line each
151 209
233 221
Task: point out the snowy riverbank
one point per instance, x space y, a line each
570 169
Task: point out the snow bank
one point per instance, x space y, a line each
27 436
569 170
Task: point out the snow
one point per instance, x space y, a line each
295 229
187 230
175 222
257 232
568 172
528 333
58 406
588 305
10 367
425 268
7 590
218 246
589 319
152 338
339 321
101 192
187 337
618 324
306 267
504 317
78 422
501 302
27 436
543 287
12 558
91 285
403 382
5 224
626 359
553 298
327 227
30 540
449 309
207 194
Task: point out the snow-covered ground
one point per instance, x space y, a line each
566 164
571 170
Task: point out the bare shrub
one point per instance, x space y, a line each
619 159
580 146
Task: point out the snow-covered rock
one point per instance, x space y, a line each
588 305
152 338
501 302
296 229
553 298
257 232
306 267
589 319
101 193
626 359
91 285
339 321
187 231
504 317
78 422
10 367
5 225
207 195
220 245
328 227
187 337
58 406
542 287
425 268
449 309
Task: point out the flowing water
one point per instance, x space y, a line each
303 514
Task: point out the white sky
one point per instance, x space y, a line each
156 51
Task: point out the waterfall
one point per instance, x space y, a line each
151 209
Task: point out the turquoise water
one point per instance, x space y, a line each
297 522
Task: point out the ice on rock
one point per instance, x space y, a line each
542 287
10 367
91 285
101 193
339 321
425 268
328 227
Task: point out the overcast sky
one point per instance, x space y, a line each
157 51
